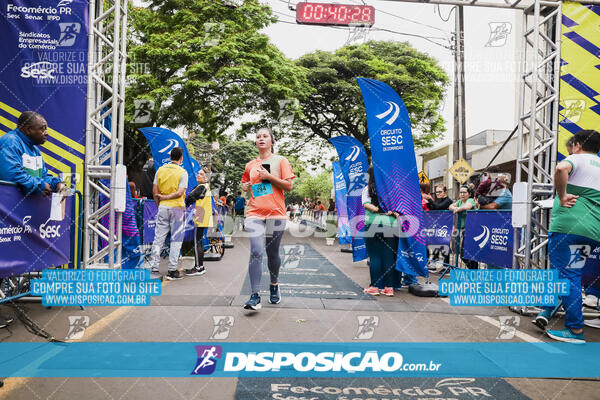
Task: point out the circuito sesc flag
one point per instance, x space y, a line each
395 170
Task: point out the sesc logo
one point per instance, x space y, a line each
484 237
49 231
39 70
392 107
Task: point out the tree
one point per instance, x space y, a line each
318 186
230 161
204 64
335 106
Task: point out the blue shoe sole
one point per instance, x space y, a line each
564 339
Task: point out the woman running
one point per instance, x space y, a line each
265 178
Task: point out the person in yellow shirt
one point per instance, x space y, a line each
203 219
170 183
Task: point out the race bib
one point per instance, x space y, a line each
262 189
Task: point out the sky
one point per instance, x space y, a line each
490 67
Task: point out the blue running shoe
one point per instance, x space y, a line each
274 298
567 335
253 303
543 318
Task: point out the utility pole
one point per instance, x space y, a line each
459 144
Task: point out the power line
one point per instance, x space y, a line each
428 38
439 12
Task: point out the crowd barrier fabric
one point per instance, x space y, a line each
395 170
149 222
437 227
590 276
340 199
489 238
32 239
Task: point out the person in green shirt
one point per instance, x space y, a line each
464 203
574 230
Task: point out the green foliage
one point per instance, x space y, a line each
336 106
315 186
206 64
230 162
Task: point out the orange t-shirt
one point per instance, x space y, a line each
269 206
321 207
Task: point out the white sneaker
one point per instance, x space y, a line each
592 323
591 301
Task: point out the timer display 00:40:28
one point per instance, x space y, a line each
334 14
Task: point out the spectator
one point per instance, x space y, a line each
239 206
131 256
502 197
465 203
331 209
439 203
203 219
21 161
441 200
170 183
265 215
425 196
296 212
382 245
133 190
321 207
483 193
574 230
148 172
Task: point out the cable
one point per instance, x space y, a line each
501 148
440 13
30 325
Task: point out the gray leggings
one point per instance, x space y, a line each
258 229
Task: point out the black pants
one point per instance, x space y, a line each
199 246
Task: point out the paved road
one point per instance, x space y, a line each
323 304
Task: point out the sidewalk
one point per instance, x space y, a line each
209 308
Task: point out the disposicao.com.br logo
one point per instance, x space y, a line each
344 362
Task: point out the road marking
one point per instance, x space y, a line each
495 322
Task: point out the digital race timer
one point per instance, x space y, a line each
334 14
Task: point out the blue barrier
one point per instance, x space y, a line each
30 240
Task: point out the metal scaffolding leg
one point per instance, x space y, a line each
538 125
104 130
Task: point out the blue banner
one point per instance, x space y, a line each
31 238
339 185
590 275
281 359
43 67
395 170
353 161
489 238
161 143
437 227
149 223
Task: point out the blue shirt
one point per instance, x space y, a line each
504 200
240 203
21 162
